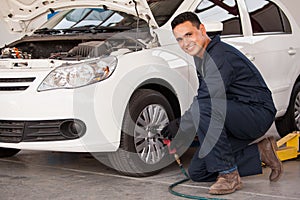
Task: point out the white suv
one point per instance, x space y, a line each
97 78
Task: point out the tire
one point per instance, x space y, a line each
291 120
142 152
7 152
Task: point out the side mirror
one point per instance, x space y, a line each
213 27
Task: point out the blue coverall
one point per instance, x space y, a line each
232 108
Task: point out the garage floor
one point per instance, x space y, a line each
64 176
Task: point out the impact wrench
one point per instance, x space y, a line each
173 152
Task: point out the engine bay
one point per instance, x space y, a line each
76 46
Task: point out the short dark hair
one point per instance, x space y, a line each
186 16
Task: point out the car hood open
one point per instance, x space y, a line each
26 15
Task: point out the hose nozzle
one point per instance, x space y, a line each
168 143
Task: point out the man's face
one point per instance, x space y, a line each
190 38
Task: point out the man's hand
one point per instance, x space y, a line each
171 129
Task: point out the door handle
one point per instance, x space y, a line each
292 51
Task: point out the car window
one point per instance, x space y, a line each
267 17
225 11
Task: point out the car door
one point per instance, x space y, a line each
274 48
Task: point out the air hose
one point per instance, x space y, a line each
187 178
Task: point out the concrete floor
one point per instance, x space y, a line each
76 176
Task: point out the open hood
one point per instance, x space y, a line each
26 15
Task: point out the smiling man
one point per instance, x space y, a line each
192 39
233 107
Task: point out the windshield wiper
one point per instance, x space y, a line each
47 31
95 29
87 28
112 28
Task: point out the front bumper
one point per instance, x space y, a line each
37 131
33 119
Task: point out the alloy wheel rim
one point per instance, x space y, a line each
297 111
147 138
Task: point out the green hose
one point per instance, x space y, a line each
173 151
185 180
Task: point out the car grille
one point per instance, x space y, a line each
15 84
29 131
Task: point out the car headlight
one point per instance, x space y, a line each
80 74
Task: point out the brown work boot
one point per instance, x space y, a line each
226 183
267 148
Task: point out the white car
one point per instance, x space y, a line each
97 78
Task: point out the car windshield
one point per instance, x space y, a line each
90 19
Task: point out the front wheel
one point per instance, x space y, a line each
291 120
141 151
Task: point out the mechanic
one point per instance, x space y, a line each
233 108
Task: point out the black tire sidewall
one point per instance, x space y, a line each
287 123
